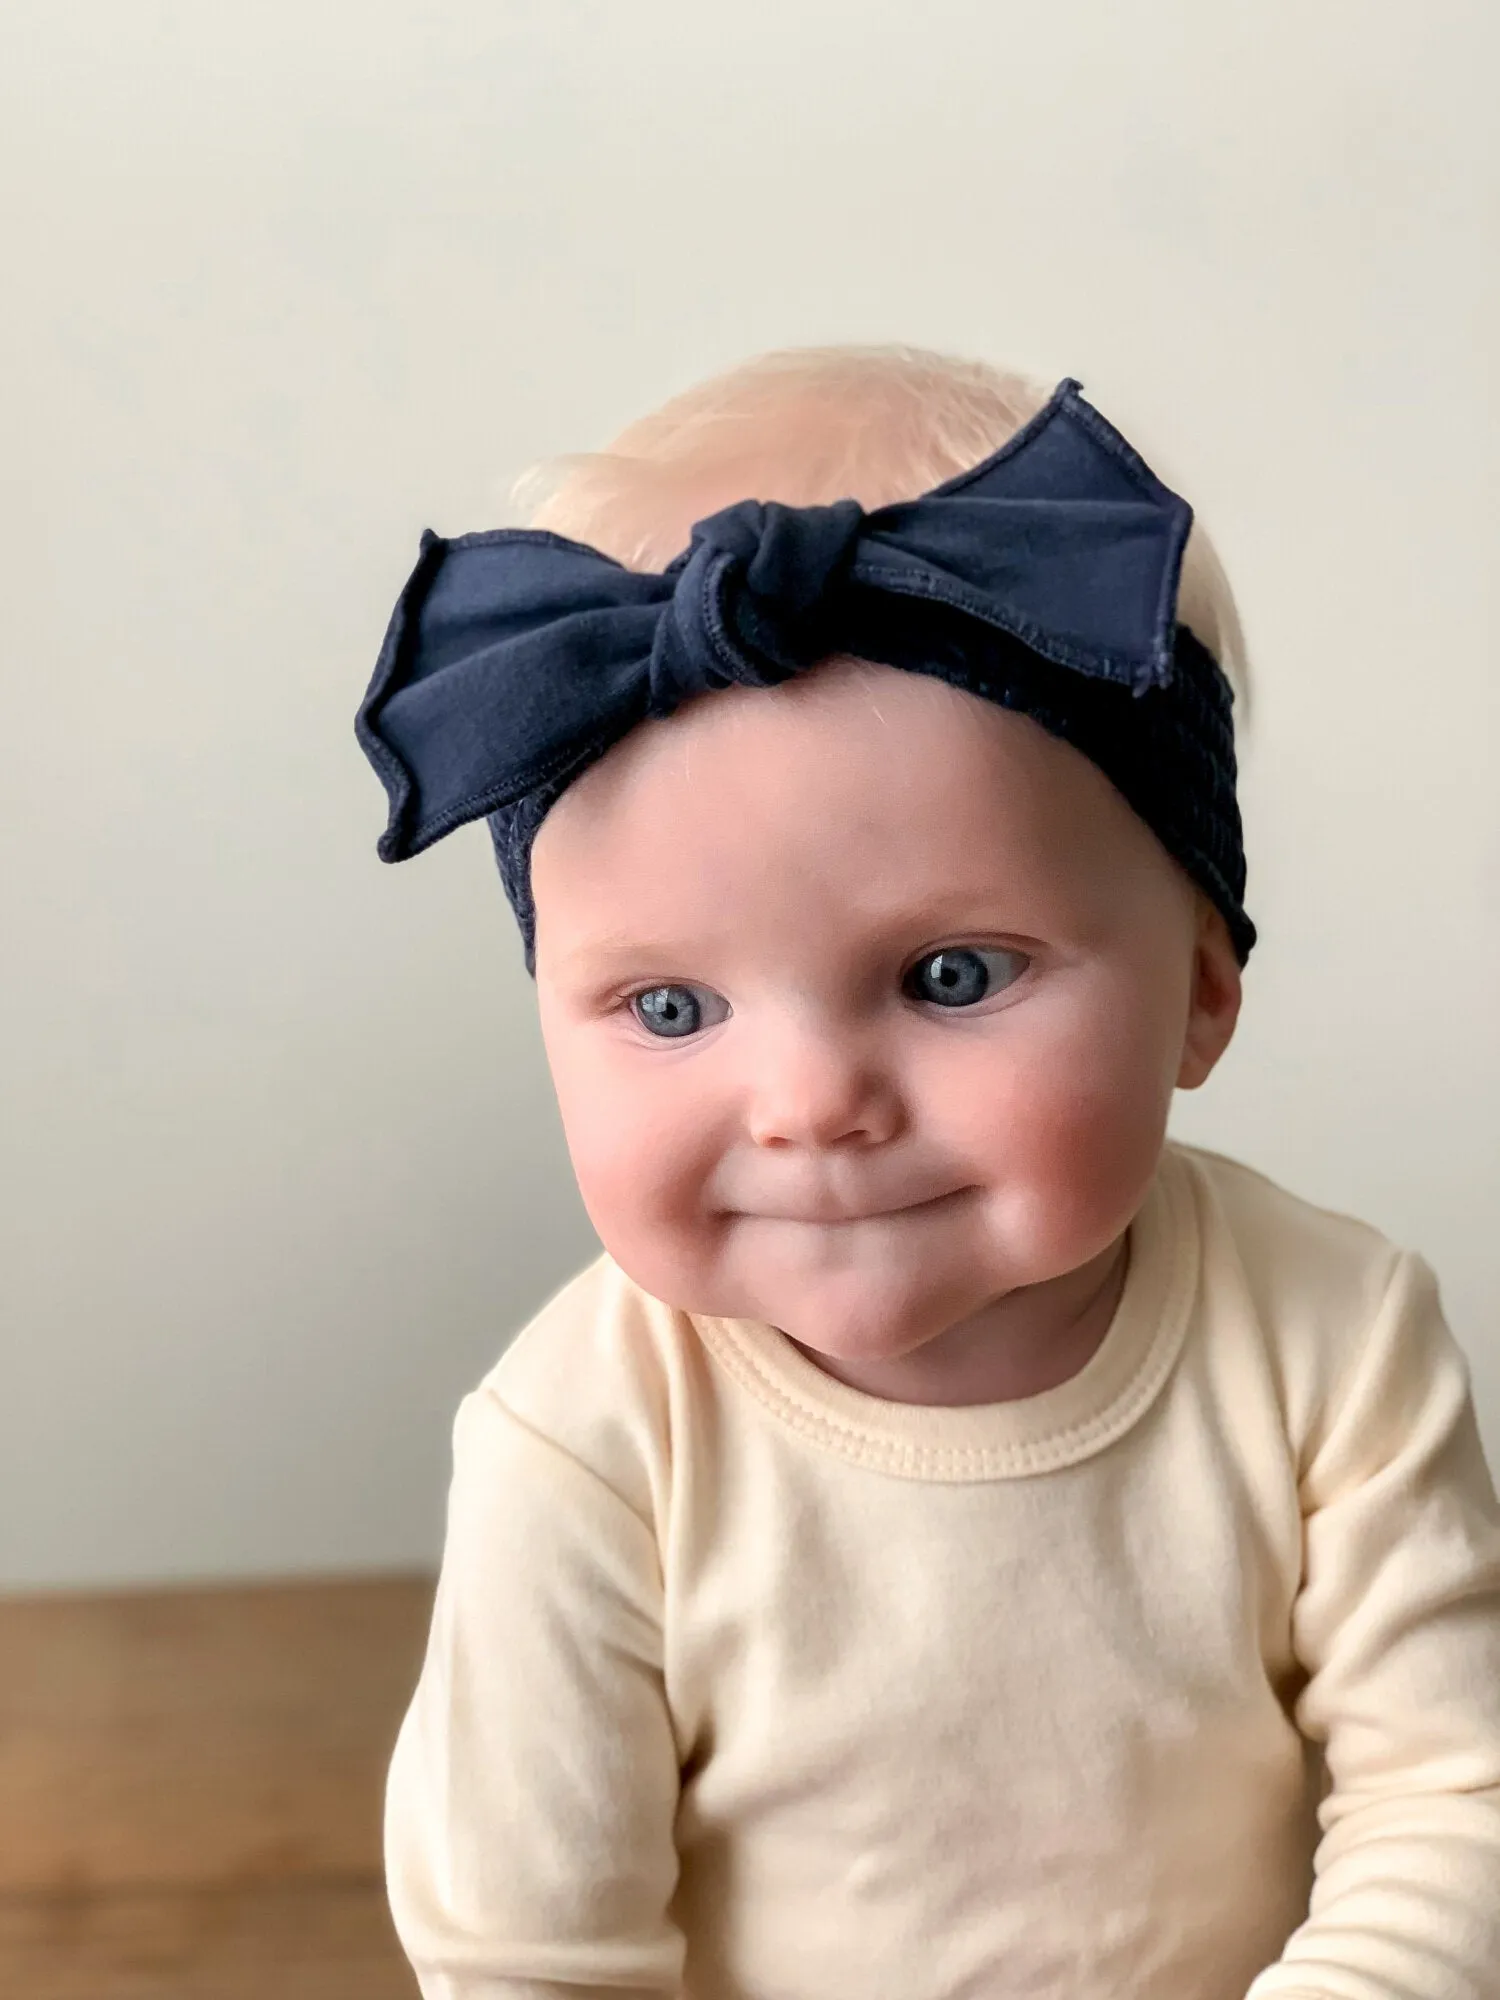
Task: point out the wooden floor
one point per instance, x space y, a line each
190 1788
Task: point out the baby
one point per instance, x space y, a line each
954 1544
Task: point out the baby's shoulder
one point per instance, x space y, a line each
603 1371
1285 1245
1304 1285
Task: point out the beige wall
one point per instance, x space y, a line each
288 281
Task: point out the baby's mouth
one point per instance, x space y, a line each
831 1215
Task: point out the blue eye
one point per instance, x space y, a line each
674 1011
960 977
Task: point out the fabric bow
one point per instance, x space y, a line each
514 658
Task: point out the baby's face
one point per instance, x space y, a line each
865 1001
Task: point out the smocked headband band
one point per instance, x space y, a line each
516 658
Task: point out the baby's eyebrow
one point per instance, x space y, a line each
609 954
614 950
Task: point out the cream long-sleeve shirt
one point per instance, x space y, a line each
1180 1681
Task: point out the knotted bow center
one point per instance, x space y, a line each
784 557
747 599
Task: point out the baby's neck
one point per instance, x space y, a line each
1027 1342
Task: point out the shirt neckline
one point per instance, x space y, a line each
1015 1440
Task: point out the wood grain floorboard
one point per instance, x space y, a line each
201 1738
286 1941
190 1790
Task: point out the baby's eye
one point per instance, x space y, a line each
960 977
674 1011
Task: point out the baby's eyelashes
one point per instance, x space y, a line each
958 976
673 1011
963 975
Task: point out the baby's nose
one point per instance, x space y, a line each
817 1088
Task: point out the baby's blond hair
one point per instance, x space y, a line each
811 425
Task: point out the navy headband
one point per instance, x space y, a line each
1044 580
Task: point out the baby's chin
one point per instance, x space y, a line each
873 1291
858 1312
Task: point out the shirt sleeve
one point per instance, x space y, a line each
532 1795
1397 1626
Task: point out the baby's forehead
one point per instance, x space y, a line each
865 798
851 743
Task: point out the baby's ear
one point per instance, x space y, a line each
1214 999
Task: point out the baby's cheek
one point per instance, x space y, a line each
642 1174
1070 1140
